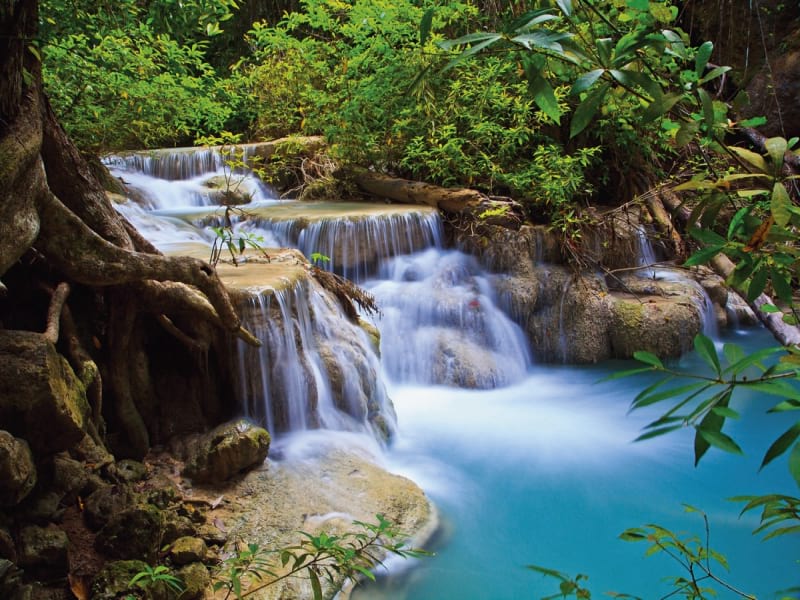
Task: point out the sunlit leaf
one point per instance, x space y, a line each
585 81
751 157
545 97
780 204
776 149
649 358
565 6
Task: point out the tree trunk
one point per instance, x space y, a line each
57 226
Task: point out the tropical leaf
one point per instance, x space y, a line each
781 445
780 205
425 26
751 157
545 97
586 110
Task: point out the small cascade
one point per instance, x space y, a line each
646 257
354 246
314 369
184 177
440 323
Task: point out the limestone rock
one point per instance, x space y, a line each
196 579
39 393
105 502
135 533
225 451
70 477
112 582
188 549
128 470
17 471
43 551
176 526
212 535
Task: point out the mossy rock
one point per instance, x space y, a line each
196 579
42 551
107 501
135 533
188 549
225 451
17 470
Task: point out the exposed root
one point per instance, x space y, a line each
60 294
347 293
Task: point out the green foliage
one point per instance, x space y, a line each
318 258
761 235
151 577
135 76
333 557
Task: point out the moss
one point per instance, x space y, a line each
630 313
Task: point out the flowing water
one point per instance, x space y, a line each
527 464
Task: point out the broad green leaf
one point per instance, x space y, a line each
782 286
660 106
754 122
586 110
776 148
713 74
757 283
778 387
719 440
315 585
469 39
792 529
733 353
708 107
696 184
794 463
565 6
532 18
724 411
701 58
704 255
425 26
545 97
657 432
769 308
648 358
785 406
686 133
781 445
706 350
604 47
707 236
631 79
780 204
751 157
548 40
488 40
585 81
711 422
737 220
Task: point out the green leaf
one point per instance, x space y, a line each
686 133
781 445
586 110
626 373
733 353
701 58
708 108
737 220
781 285
657 432
315 585
719 440
713 74
660 106
794 463
724 411
780 205
703 255
604 47
706 350
757 283
425 26
776 149
751 157
707 236
545 97
565 6
648 358
646 399
585 81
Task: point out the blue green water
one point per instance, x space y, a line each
545 472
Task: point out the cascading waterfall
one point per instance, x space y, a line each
440 323
314 369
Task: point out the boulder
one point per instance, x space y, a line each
135 533
107 501
663 326
113 580
17 470
40 397
188 549
196 579
225 451
42 551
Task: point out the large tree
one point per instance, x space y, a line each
59 232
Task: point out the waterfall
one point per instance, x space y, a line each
314 368
440 323
646 257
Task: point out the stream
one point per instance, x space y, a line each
527 463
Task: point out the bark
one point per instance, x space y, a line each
662 219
